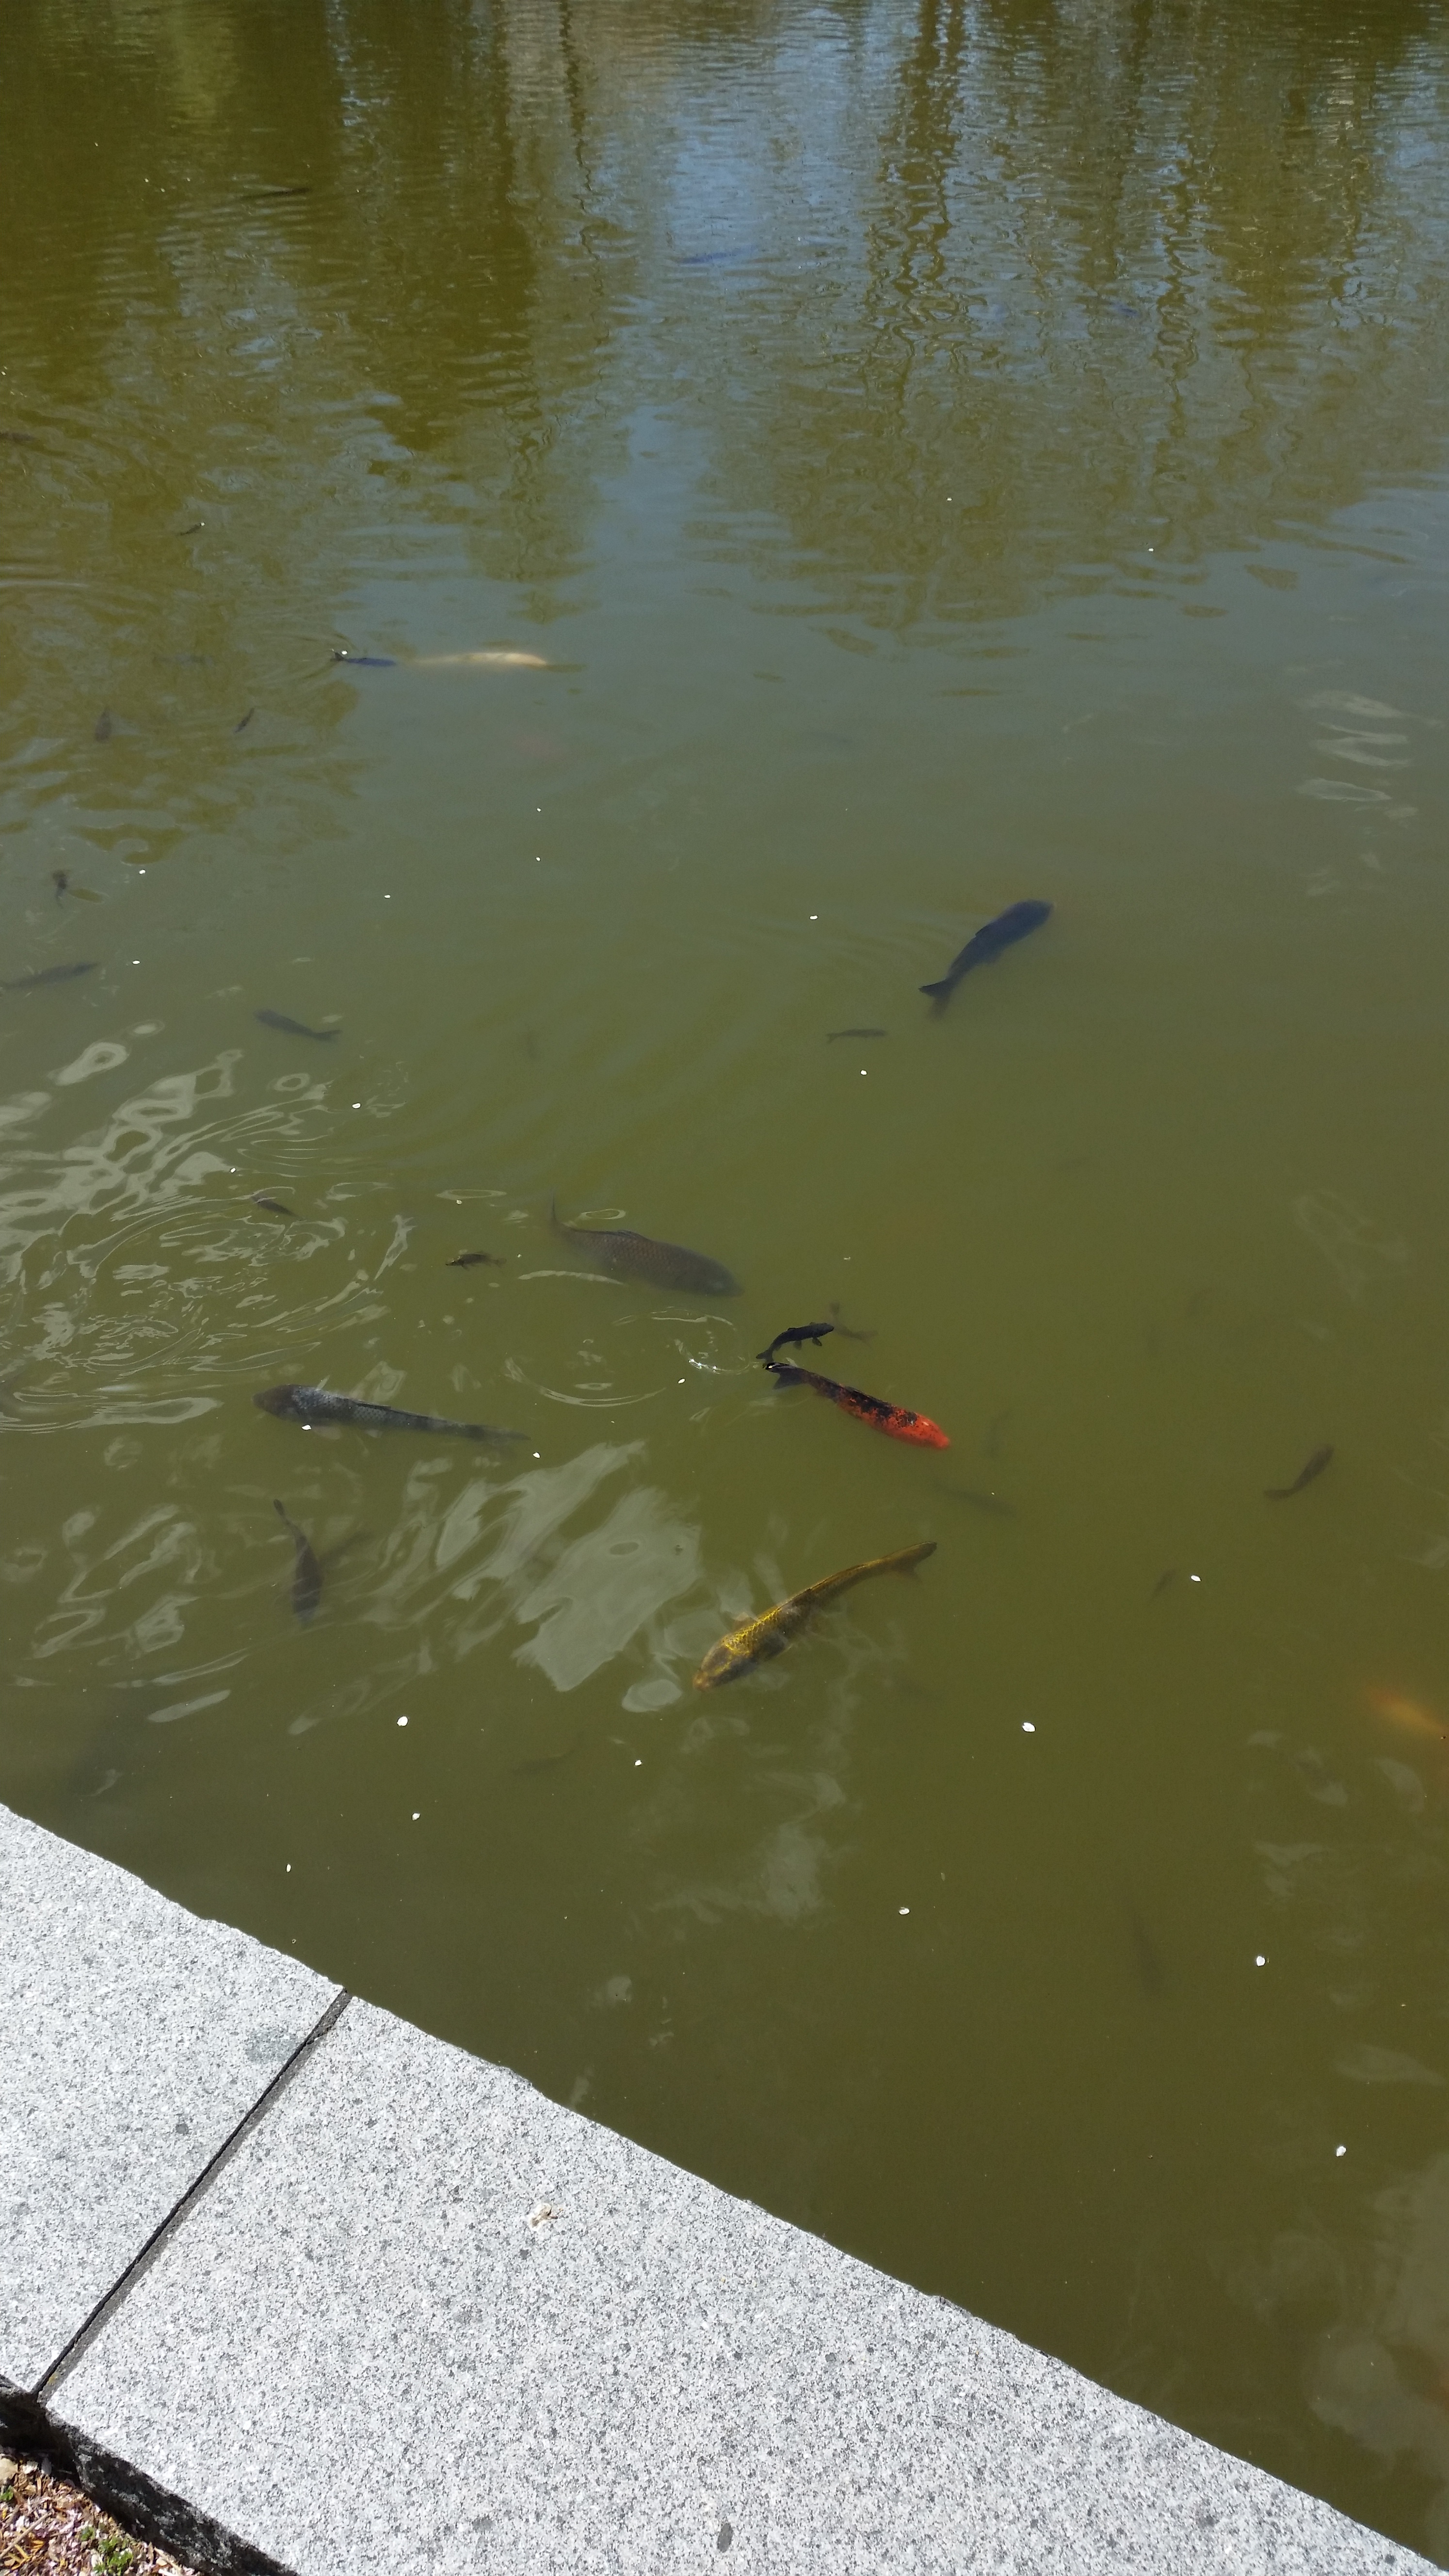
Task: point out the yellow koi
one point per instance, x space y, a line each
753 1641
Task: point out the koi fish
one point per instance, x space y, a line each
988 944
796 1335
639 1256
1305 1476
470 1260
496 657
60 879
365 661
893 1419
241 726
273 1207
291 1028
311 1404
1408 1715
307 1573
48 975
754 1641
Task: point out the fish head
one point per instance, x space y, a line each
276 1399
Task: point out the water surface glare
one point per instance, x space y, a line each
787 482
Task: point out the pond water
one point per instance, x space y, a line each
933 456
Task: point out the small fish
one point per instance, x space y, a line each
292 1028
260 196
796 1336
60 879
753 1641
1163 1580
470 1260
989 943
19 437
245 721
832 1034
366 661
1409 1716
639 1256
984 1502
104 726
49 975
847 1332
274 1206
1305 1476
893 1419
495 658
194 530
307 1572
316 1404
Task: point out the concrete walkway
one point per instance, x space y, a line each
297 2287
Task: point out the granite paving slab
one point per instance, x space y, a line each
137 2036
424 2319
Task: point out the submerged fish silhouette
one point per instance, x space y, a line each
794 1336
307 1572
291 1028
641 1256
754 1641
49 975
895 1420
1305 1476
989 943
317 1404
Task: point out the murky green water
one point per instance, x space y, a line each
943 455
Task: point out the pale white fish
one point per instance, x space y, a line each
498 657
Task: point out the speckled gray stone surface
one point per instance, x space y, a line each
136 2036
366 2346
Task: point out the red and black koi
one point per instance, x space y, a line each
893 1419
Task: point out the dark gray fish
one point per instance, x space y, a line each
365 661
19 437
49 975
848 1332
1305 1476
194 530
307 1571
261 196
471 1260
274 1206
832 1034
795 1337
989 943
104 726
984 1502
317 1404
60 879
245 721
1163 1580
640 1256
291 1028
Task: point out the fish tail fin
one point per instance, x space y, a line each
911 1557
938 991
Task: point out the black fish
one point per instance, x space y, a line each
19 437
307 1572
104 726
848 1331
245 721
796 1336
260 1199
1305 1476
194 530
291 1028
470 1260
316 1404
260 196
48 975
639 1256
366 661
832 1034
60 879
988 943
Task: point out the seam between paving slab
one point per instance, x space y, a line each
105 2308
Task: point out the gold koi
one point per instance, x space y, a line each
753 1641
